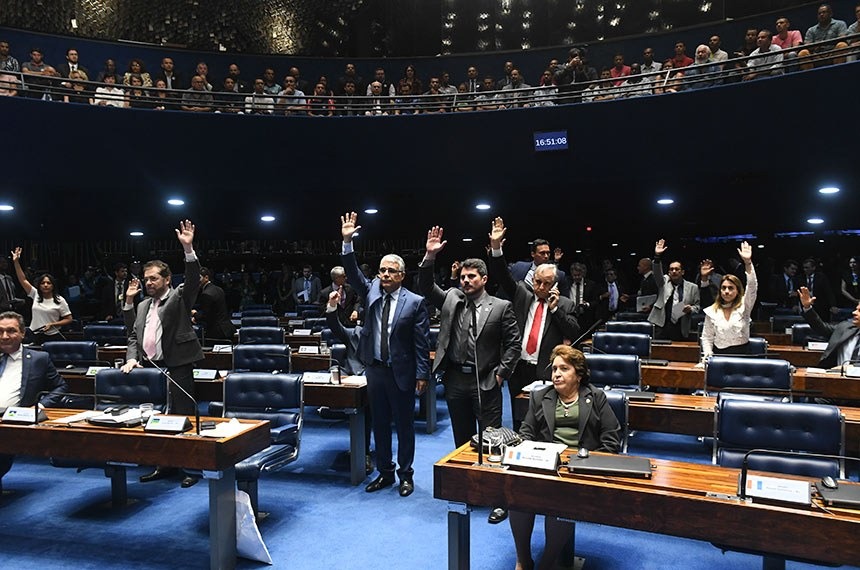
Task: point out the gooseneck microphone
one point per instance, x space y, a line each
181 389
583 336
742 483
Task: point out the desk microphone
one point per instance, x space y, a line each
583 336
175 383
742 484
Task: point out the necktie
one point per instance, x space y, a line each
383 330
578 296
534 333
613 296
149 332
342 301
788 284
680 291
855 355
3 360
811 288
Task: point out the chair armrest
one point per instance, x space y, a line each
284 434
216 409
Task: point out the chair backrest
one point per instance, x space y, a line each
622 343
261 357
742 425
260 321
778 323
259 306
801 333
617 400
316 324
614 370
642 327
65 351
631 316
106 333
758 345
278 398
264 312
724 372
139 386
434 338
261 335
316 310
326 335
338 353
310 313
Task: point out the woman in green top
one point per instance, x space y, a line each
572 412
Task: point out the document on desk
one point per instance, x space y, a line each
316 377
86 414
128 418
226 429
354 380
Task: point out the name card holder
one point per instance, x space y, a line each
534 455
167 424
778 489
309 350
302 332
22 415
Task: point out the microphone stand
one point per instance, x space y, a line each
181 389
584 335
742 483
473 334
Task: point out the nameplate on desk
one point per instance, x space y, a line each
167 424
816 345
22 415
291 314
302 332
93 370
316 377
778 489
787 330
296 322
309 350
221 348
534 455
204 374
852 371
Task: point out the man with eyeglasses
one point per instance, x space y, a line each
677 299
540 253
394 346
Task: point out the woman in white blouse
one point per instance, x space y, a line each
727 321
50 310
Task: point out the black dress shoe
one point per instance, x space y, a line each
379 483
406 488
159 473
188 481
497 515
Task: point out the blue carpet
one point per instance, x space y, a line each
57 519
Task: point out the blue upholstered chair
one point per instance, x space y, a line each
778 323
258 312
106 334
261 335
622 343
260 321
261 358
278 398
327 336
641 327
758 345
801 333
618 402
631 316
308 310
614 370
64 352
724 373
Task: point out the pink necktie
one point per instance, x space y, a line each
149 336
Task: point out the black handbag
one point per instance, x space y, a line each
495 438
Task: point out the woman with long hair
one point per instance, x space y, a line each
727 321
50 310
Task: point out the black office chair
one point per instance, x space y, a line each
278 398
779 323
758 345
260 321
641 327
106 334
316 324
261 358
630 316
620 407
801 333
746 375
622 343
261 335
308 310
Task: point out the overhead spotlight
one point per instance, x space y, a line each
821 241
176 202
815 221
760 246
614 245
829 190
135 234
267 218
665 201
467 239
371 211
6 208
482 206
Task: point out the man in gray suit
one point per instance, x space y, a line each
843 339
677 299
161 333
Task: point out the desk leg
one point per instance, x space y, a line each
357 445
222 518
772 563
458 536
430 403
118 485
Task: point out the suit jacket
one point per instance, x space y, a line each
823 293
779 291
647 286
601 308
350 337
519 270
109 299
351 303
178 80
39 375
691 297
299 286
179 344
709 293
409 339
598 427
6 303
837 336
64 69
497 340
213 314
558 326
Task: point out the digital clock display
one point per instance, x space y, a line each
555 140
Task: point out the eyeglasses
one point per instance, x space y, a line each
391 270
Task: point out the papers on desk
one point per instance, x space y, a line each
204 374
226 348
317 377
86 414
536 385
128 418
225 429
93 370
354 380
302 332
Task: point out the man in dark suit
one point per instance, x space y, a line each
113 293
843 343
540 252
161 331
395 348
610 295
583 294
647 286
168 74
783 288
544 318
348 302
24 375
478 345
71 64
819 287
9 299
709 283
306 287
212 312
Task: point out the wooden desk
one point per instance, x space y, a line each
673 502
212 360
217 458
689 352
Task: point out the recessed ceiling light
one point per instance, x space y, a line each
760 246
467 239
267 218
176 202
371 211
6 208
665 201
815 221
135 234
482 206
821 241
829 190
614 245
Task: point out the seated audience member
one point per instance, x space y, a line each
545 95
163 99
36 84
727 321
202 70
197 99
228 100
718 55
77 92
517 92
843 344
746 48
619 70
326 89
410 77
320 104
270 86
135 67
765 60
433 100
291 99
8 85
636 84
138 97
681 59
702 73
109 69
168 74
388 88
574 413
785 38
850 287
486 100
650 66
376 103
350 74
576 70
405 103
348 103
50 310
258 103
301 84
827 30
445 84
110 95
239 83
7 62
602 90
37 382
464 102
854 29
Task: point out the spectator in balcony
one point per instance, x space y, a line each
109 95
445 84
228 100
258 102
239 84
854 29
487 100
349 103
324 80
162 100
350 74
78 89
648 64
517 92
38 73
320 104
576 70
405 103
7 62
376 103
544 95
291 99
636 84
301 84
718 55
433 100
8 85
473 83
197 99
71 64
786 38
602 90
766 60
269 85
827 30
138 97
202 70
507 78
619 70
747 47
702 73
168 73
388 88
681 59
410 77
109 69
136 67
464 101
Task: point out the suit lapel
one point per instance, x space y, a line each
484 314
585 405
401 301
550 399
26 361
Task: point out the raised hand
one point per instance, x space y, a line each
455 269
706 268
348 226
497 233
745 251
660 247
435 243
805 299
557 254
185 234
334 298
16 254
133 289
